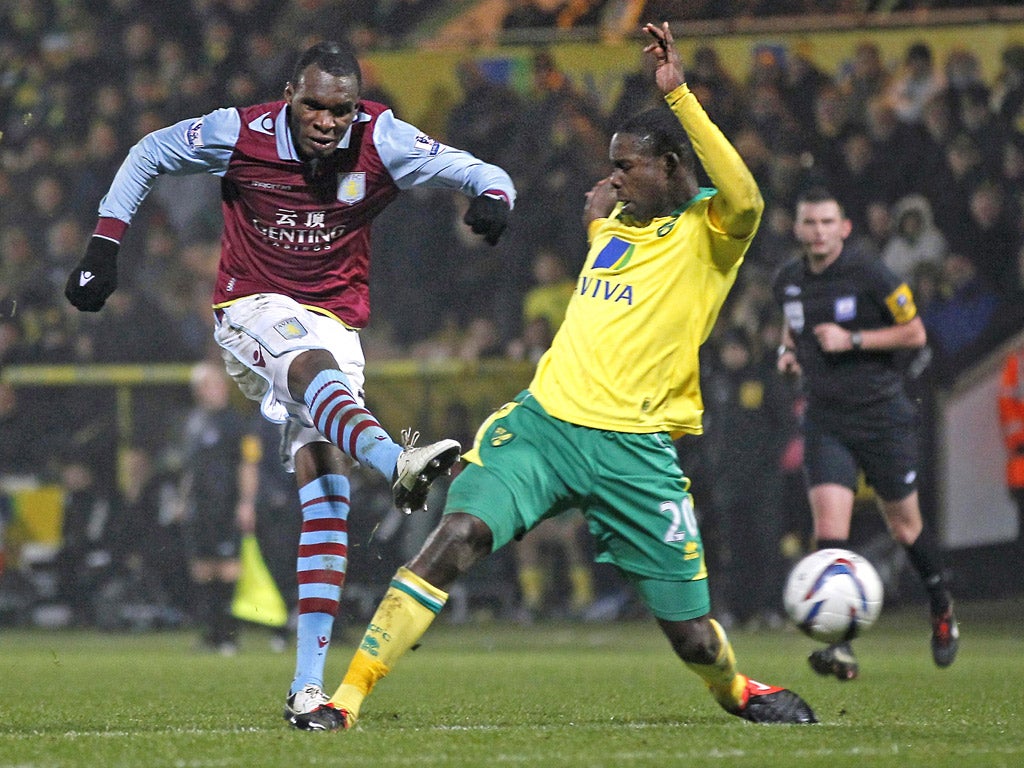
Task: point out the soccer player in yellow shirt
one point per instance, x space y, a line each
595 428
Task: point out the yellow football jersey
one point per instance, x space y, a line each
625 358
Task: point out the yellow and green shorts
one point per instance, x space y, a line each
526 465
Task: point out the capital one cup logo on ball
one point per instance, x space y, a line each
833 595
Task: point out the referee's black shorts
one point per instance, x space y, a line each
212 533
880 438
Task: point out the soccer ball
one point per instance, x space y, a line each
833 595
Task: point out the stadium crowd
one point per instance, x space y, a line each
927 156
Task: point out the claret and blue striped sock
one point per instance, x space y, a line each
341 419
321 566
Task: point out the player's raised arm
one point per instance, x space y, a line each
737 207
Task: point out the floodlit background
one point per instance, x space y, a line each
913 112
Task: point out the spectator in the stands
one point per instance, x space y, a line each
960 313
916 239
864 78
916 82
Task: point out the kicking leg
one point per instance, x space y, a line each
338 413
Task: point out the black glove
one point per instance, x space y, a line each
487 216
95 277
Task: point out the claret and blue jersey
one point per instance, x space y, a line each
291 227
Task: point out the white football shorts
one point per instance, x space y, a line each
259 337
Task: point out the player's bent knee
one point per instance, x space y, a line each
458 542
468 529
305 367
693 640
317 459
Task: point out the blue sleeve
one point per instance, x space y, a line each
414 159
197 145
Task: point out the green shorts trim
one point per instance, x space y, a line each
526 465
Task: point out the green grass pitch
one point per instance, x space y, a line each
497 694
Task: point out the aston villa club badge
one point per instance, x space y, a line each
291 328
351 187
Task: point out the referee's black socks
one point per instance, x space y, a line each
924 556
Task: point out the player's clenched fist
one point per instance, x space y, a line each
488 215
95 277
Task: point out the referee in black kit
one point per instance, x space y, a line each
846 317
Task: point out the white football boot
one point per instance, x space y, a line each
303 702
417 468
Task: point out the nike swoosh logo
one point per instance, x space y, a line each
84 278
263 124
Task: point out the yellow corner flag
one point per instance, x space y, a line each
257 598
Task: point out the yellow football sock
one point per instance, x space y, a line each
725 684
404 614
582 581
531 585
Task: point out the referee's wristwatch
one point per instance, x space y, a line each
856 340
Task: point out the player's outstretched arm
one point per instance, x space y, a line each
195 145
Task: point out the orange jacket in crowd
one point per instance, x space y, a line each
1011 418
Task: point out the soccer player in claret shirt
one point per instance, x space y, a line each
594 430
846 316
302 180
